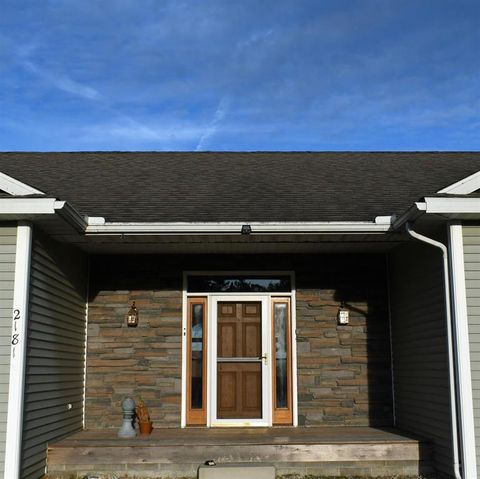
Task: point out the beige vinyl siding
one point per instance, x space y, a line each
56 350
8 242
471 251
420 360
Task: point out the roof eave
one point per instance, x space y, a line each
235 228
448 208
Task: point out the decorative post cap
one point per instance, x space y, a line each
128 404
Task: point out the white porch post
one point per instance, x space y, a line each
459 309
18 352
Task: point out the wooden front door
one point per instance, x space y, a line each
239 360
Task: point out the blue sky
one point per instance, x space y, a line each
239 75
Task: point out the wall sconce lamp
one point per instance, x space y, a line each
343 314
132 316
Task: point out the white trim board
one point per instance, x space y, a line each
381 225
13 445
447 206
459 309
465 186
15 187
28 206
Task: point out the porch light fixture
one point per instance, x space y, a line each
246 229
343 314
132 316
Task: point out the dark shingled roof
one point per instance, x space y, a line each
247 187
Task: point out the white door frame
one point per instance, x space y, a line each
243 297
266 419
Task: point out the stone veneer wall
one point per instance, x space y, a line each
343 371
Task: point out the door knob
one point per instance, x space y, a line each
265 358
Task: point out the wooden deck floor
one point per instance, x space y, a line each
174 453
242 436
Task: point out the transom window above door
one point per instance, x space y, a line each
238 284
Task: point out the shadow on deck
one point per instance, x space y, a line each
174 453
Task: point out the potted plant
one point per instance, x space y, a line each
144 421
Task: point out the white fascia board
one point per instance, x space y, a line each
236 227
452 205
18 208
465 186
17 188
27 206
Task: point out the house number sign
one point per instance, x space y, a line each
15 335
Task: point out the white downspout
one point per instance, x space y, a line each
451 364
13 446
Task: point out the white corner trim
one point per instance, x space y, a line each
463 187
17 188
236 227
459 309
13 445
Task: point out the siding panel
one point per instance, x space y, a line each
471 250
56 350
8 241
420 361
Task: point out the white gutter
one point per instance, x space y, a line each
96 227
454 208
412 214
34 208
447 206
465 397
71 215
451 365
30 208
27 206
13 443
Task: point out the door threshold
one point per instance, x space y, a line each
239 423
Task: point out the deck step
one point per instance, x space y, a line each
179 454
183 461
237 471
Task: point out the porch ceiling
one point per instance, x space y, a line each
216 245
221 244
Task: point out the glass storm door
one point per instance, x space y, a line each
241 389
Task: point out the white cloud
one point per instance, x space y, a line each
63 82
127 129
254 39
219 115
